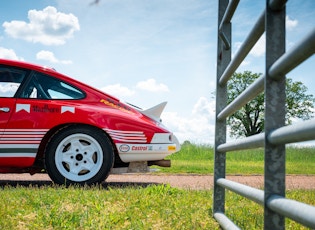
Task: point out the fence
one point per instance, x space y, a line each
276 134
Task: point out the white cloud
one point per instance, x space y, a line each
152 85
118 91
290 24
204 107
49 56
260 48
9 54
198 128
48 27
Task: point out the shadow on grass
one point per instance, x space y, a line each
47 183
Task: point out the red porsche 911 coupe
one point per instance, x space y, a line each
77 134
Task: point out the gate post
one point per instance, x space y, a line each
274 181
223 59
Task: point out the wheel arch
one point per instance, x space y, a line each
41 150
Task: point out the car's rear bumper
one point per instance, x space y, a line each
147 152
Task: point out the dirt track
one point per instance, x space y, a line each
179 181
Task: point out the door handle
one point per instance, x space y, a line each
5 109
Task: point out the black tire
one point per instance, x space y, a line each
79 155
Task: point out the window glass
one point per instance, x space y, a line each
10 80
42 86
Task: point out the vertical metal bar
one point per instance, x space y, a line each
223 59
274 116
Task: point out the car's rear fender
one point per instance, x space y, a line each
39 161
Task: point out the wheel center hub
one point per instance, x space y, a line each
79 157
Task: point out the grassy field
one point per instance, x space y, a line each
199 159
151 207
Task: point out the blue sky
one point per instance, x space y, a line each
145 51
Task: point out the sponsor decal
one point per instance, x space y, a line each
139 148
116 105
124 148
45 109
67 108
25 107
171 148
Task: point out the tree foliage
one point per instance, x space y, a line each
249 120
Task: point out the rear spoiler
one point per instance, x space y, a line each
154 112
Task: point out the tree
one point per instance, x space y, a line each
249 120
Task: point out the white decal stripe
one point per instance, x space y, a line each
123 132
127 136
22 136
22 146
19 142
33 155
21 139
130 141
25 133
25 130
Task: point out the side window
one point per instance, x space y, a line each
10 81
42 86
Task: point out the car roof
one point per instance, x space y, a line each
51 71
26 65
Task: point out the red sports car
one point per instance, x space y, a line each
77 134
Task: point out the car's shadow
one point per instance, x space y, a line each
47 183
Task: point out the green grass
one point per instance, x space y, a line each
152 207
199 159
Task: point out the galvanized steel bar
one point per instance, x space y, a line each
277 4
251 142
274 178
227 19
245 48
223 59
225 222
299 53
297 211
253 194
251 92
303 131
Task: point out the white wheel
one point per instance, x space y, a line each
79 155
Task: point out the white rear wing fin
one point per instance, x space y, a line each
155 112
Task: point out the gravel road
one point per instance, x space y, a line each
179 180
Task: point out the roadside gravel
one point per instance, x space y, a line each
186 181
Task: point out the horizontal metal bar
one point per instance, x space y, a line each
251 92
297 211
253 194
245 48
224 221
295 56
303 131
251 142
277 4
229 13
226 19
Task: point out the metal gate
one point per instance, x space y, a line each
276 134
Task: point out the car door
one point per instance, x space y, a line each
11 80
